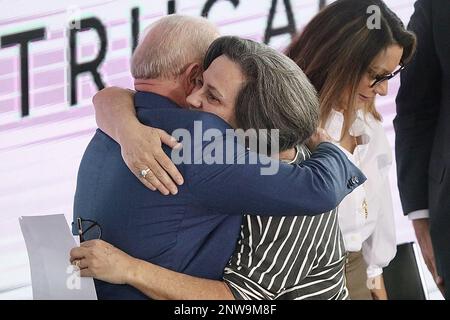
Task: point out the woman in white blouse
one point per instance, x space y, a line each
349 63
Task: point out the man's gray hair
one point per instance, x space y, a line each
276 93
170 44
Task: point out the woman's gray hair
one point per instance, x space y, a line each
170 44
276 93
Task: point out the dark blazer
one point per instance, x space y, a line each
195 232
422 126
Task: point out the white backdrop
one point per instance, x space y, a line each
40 153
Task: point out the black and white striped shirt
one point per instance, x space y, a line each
289 257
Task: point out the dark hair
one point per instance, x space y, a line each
337 47
276 93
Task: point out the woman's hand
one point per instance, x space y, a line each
141 149
103 261
317 138
379 290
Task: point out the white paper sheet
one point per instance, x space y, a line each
49 240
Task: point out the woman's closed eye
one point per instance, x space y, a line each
373 75
211 98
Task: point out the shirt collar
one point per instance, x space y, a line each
360 127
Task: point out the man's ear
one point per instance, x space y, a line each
191 74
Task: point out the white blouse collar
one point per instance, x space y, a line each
359 128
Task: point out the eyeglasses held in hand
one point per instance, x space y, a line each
93 230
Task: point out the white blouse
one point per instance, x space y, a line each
374 234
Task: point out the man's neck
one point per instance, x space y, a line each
170 89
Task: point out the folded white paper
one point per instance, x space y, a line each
49 240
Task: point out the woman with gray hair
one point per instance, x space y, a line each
250 86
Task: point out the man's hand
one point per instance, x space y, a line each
317 138
422 230
141 149
141 145
102 261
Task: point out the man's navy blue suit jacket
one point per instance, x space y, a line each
195 231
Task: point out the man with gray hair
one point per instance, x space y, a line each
196 231
181 40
